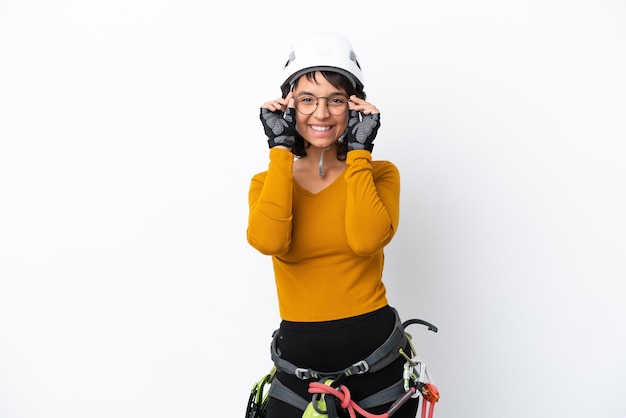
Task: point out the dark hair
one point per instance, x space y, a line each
339 81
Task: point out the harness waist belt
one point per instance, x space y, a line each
381 357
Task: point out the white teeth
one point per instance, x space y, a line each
320 128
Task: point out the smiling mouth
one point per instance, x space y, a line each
320 128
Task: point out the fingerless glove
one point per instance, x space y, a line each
280 128
362 130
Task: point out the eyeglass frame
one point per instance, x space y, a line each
327 101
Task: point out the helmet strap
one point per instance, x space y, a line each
320 166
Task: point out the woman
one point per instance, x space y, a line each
324 211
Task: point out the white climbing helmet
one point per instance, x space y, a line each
323 51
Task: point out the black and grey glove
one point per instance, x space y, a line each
362 130
280 128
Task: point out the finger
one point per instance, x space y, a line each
291 102
274 105
356 103
366 110
271 106
370 110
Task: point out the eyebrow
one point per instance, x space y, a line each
336 93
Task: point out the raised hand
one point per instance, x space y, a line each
363 124
279 122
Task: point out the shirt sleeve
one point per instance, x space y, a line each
270 201
373 203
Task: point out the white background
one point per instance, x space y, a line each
128 135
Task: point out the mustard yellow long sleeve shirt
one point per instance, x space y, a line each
326 248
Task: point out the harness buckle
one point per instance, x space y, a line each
302 374
361 366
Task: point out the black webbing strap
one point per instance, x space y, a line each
388 395
381 357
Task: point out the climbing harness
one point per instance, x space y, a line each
328 392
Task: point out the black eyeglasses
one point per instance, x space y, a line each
337 104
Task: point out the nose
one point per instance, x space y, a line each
321 109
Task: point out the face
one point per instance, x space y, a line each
323 127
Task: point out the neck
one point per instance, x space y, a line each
313 153
321 159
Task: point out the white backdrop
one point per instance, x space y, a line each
128 134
